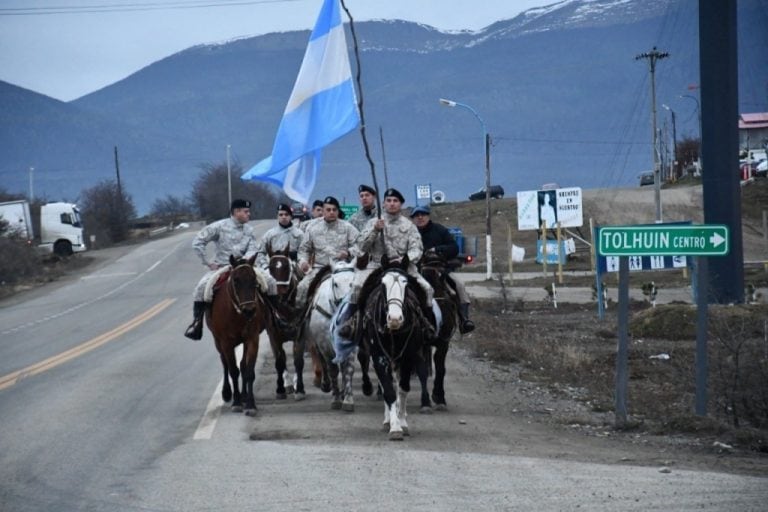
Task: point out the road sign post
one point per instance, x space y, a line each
662 240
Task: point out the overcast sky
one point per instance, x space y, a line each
68 48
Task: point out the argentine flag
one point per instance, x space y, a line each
322 108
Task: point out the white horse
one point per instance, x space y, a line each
323 307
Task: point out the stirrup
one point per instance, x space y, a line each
466 326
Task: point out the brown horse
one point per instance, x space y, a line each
434 269
238 315
282 325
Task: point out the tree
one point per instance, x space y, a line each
210 194
687 152
106 212
172 209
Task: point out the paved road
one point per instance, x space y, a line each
105 406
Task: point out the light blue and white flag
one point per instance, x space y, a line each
321 109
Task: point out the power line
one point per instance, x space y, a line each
131 7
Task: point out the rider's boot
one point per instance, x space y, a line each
195 329
466 325
347 321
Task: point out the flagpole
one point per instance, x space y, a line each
360 108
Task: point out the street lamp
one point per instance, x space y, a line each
698 115
487 144
229 180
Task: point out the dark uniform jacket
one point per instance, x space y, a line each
438 237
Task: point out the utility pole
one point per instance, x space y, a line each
31 188
229 180
653 56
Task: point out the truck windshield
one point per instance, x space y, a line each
76 221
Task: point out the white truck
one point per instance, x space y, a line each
60 226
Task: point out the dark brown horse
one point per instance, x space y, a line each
237 315
282 325
434 268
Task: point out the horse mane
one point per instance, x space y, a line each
324 271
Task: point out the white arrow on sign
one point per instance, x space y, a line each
716 239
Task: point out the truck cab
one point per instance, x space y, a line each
61 229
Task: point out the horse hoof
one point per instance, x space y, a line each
289 390
250 412
325 388
317 382
396 436
237 408
441 407
281 396
385 427
367 388
425 409
299 396
335 405
348 407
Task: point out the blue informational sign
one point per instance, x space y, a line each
553 255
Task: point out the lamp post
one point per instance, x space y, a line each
31 185
698 115
487 149
674 142
229 180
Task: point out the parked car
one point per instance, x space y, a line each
761 171
646 178
299 210
497 192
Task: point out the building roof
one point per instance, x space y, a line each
753 120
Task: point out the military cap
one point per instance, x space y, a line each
393 192
239 203
366 188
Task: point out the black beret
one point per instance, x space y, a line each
393 192
239 203
366 188
317 203
332 200
282 207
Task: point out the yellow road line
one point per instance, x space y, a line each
52 362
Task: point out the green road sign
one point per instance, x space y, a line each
349 210
661 240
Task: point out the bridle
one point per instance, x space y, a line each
238 304
336 300
287 261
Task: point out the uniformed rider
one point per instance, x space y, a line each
400 238
367 209
230 236
285 234
438 239
326 241
316 213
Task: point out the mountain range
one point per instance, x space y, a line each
559 89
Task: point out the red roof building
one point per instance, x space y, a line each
753 130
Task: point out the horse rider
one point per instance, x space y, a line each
367 209
325 241
438 239
231 236
393 236
285 234
316 213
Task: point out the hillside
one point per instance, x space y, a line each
622 206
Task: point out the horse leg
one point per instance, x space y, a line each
234 375
279 353
226 387
250 353
438 389
391 418
317 365
298 366
348 374
364 358
336 392
422 372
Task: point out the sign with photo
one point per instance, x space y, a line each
561 205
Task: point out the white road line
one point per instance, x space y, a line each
211 415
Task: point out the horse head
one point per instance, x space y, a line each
243 287
395 282
281 268
342 275
433 266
